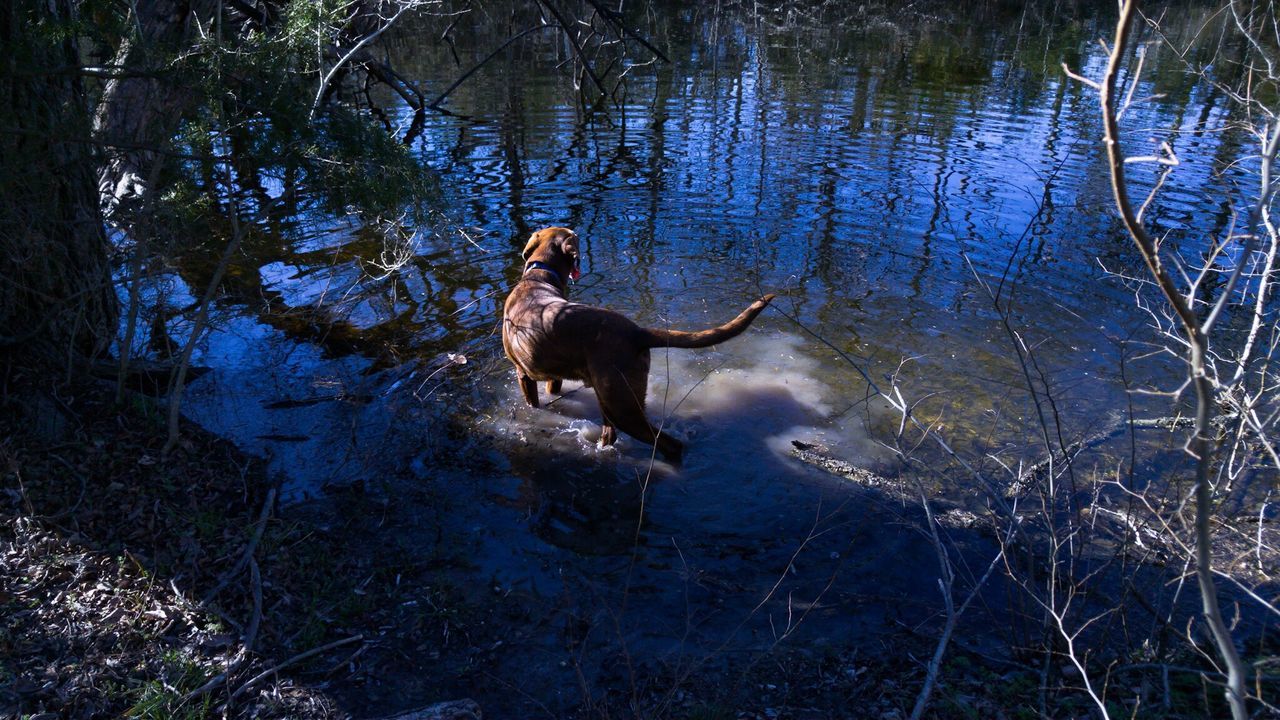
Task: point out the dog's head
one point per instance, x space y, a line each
557 247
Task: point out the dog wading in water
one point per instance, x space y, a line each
551 339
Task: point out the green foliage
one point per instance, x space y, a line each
226 104
363 167
302 23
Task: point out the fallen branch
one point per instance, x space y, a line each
466 709
953 515
295 659
615 18
577 47
260 525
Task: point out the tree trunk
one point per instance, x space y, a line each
57 303
139 111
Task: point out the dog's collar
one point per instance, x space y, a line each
539 265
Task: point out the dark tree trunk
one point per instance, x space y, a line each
57 303
64 160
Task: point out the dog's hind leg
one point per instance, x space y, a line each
528 388
638 426
621 399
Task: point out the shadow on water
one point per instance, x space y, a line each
734 419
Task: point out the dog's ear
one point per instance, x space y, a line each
532 245
569 244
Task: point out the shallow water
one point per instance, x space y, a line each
882 177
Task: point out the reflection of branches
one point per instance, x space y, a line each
435 104
599 40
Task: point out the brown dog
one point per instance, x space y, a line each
549 338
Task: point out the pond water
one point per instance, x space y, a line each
883 174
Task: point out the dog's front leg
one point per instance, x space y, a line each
529 388
553 386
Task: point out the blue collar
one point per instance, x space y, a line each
539 265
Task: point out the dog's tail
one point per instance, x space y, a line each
705 338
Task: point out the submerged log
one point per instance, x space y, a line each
948 514
1141 535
